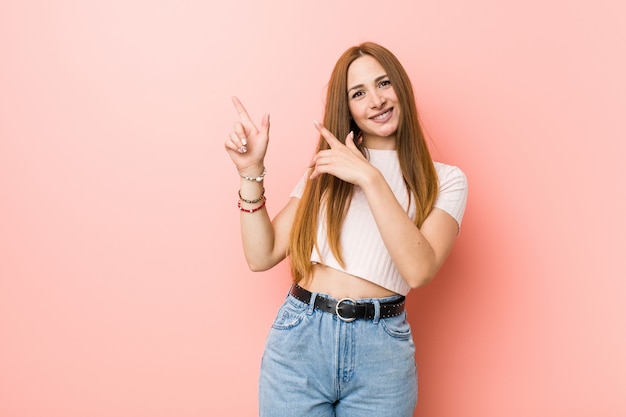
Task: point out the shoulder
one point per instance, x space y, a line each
452 196
450 176
298 190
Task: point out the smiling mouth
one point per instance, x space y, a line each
382 116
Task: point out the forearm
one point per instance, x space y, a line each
257 232
414 256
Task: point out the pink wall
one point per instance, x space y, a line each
119 245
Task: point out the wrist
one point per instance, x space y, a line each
255 173
372 178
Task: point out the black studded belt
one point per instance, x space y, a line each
348 309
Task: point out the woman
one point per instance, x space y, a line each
372 218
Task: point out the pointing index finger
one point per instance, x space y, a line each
243 114
330 138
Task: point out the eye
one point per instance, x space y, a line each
384 83
357 94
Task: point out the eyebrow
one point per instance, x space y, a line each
362 85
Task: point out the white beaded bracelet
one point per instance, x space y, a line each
257 179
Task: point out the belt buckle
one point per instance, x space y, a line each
346 319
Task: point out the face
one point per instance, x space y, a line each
373 103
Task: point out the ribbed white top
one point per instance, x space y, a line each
363 249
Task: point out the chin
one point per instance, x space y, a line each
387 133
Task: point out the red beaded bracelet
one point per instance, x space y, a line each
251 210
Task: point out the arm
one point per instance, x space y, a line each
264 241
418 253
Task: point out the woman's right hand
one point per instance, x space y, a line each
247 144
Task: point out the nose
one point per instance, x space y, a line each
376 100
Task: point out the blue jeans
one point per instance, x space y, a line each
316 365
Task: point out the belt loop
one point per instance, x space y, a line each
311 306
376 310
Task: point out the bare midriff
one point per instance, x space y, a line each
339 284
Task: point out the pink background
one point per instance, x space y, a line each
123 288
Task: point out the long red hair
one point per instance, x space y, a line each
333 195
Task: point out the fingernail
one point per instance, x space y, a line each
243 149
244 141
316 122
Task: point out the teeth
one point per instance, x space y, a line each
382 116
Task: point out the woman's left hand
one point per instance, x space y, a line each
345 162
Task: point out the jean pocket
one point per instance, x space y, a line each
290 314
397 327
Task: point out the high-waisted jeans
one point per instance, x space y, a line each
316 365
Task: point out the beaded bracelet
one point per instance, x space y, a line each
251 210
252 201
257 179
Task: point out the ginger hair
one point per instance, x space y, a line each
332 194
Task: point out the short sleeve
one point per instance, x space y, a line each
452 196
299 188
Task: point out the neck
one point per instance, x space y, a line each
377 142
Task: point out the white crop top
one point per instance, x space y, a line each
363 249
